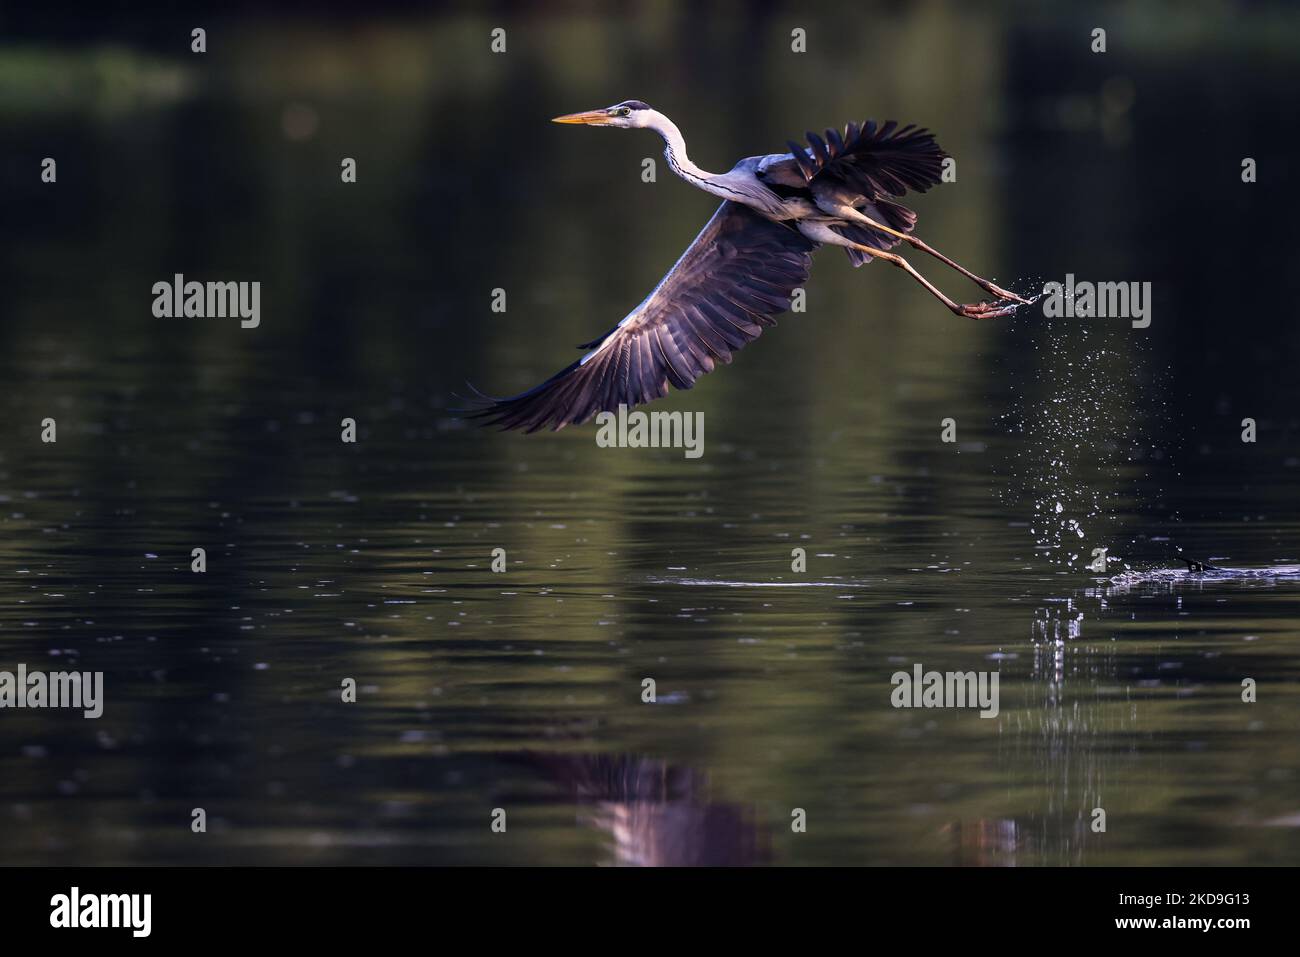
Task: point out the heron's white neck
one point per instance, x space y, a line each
675 151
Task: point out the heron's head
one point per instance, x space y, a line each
625 115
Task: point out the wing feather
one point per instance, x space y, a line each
874 161
730 283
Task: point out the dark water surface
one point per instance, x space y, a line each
522 690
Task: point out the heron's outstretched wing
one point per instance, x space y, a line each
873 161
738 274
863 168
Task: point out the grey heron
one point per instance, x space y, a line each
743 267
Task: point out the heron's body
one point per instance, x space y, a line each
743 267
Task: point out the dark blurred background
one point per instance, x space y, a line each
328 560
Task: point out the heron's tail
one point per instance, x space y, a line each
886 211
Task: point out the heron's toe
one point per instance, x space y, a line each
1009 296
985 310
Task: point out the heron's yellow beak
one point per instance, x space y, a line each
589 118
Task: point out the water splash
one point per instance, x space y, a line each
1078 414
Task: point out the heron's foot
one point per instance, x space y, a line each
985 310
1001 293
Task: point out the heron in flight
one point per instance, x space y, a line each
743 267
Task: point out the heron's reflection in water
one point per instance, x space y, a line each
656 814
984 842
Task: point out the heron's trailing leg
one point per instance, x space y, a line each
979 310
822 233
916 242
